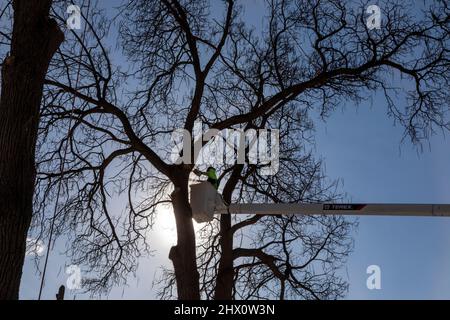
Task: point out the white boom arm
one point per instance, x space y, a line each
205 202
388 209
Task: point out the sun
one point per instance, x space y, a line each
165 224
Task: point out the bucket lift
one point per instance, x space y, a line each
206 201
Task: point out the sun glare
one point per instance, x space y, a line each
165 224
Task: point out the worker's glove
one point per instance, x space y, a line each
197 172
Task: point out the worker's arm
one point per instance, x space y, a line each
199 173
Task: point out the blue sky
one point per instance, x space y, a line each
361 146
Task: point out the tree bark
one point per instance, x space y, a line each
183 254
224 282
35 39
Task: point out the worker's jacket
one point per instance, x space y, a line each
212 178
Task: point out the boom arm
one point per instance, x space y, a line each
340 209
205 202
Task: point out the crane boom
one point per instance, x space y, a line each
372 209
206 201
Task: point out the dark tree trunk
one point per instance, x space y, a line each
224 282
35 39
183 255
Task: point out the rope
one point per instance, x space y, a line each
61 170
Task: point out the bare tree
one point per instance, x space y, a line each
30 42
188 64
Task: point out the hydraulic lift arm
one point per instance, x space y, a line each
378 209
205 202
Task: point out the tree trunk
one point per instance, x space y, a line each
35 39
224 282
183 255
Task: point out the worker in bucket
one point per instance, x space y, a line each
211 174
